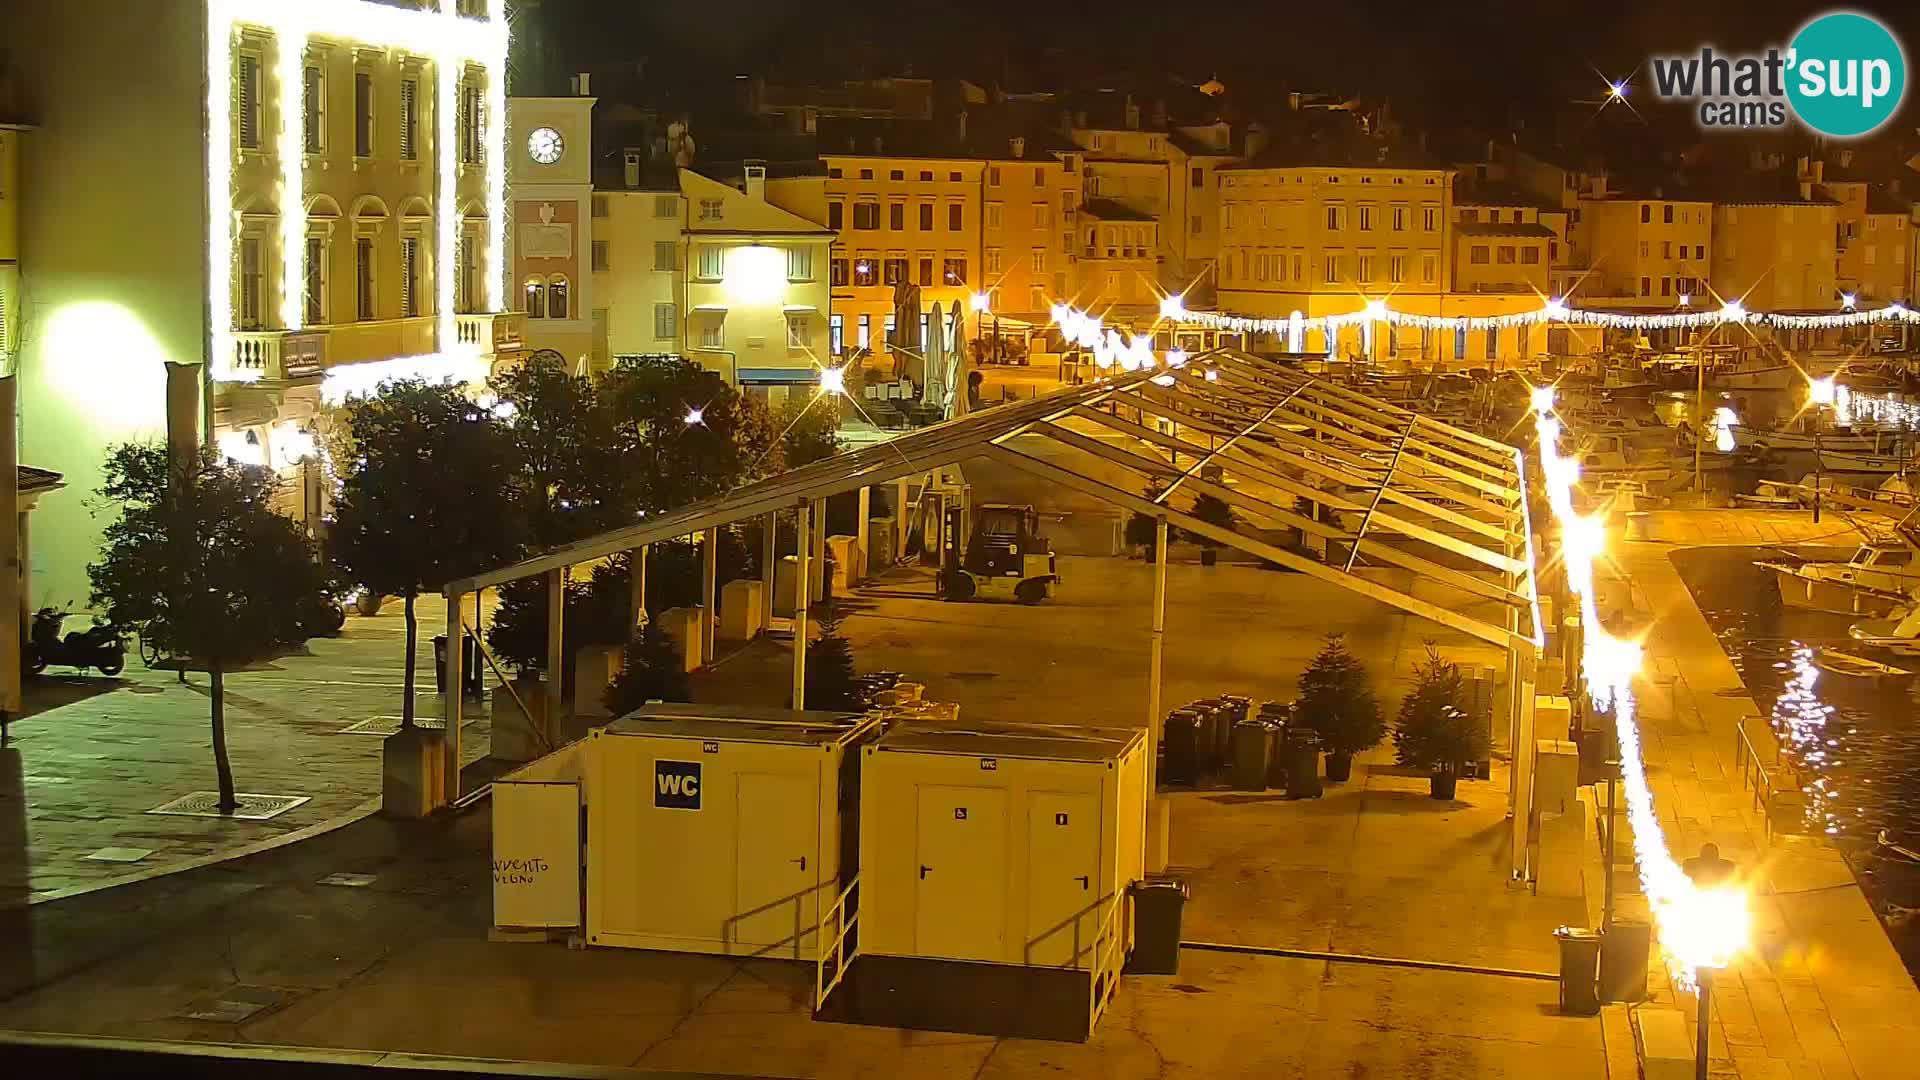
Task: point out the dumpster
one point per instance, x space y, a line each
1182 742
1579 958
1252 744
474 684
1624 949
1303 763
1157 905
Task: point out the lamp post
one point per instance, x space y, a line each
982 303
1820 394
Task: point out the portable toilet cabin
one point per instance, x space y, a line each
721 829
995 867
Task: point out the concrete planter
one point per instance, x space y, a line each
594 669
740 609
413 773
1442 784
1339 768
516 736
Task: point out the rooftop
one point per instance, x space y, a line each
1108 210
1341 154
1503 228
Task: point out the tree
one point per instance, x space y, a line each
830 677
681 433
1214 511
809 429
1337 701
563 435
201 563
1433 730
650 670
1143 529
430 495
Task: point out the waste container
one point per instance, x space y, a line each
473 683
1157 905
1303 764
1276 753
1252 741
1182 742
1221 720
1624 949
1579 959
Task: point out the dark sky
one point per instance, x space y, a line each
1474 57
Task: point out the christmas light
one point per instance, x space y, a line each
1172 307
694 416
358 380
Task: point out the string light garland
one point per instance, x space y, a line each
1553 311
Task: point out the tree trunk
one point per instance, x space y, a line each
406 700
216 677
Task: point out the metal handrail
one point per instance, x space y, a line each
1106 942
842 960
1754 773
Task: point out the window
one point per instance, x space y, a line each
1668 213
1366 218
1037 262
894 270
926 174
897 174
1429 268
1493 343
799 264
666 206
1366 268
926 217
363 280
252 283
888 329
1666 286
1331 269
557 297
800 328
410 278
1399 219
1193 225
409 119
363 114
313 110
1227 214
713 331
1699 251
1197 177
865 331
1036 298
1646 213
866 214
833 174
866 174
953 215
1506 256
1666 250
713 262
1478 255
837 272
663 254
316 282
897 215
1397 269
467 284
836 216
1042 215
993 176
1530 255
836 334
712 209
1643 249
246 101
599 205
600 256
993 261
1460 341
1522 334
954 176
1646 286
472 147
536 290
993 215
1298 273
864 272
953 271
666 322
926 270
1333 218
1429 218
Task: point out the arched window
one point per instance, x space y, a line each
536 298
557 297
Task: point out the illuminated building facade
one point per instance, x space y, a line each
284 202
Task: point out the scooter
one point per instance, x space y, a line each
99 645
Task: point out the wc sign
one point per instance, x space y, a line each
676 784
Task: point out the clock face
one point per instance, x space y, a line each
545 145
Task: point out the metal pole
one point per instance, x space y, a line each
1699 423
450 701
1613 784
556 646
769 565
709 593
1819 466
1155 718
637 597
801 573
1704 1034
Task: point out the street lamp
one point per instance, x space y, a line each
981 303
1820 395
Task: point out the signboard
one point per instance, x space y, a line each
536 854
546 241
676 784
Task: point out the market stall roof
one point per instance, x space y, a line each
1390 488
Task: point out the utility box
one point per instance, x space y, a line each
1005 844
721 829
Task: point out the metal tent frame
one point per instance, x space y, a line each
1369 481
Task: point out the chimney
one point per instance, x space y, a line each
1846 158
879 145
1017 146
960 126
1256 139
1159 114
1133 114
756 181
631 159
583 84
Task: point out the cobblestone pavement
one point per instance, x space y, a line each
93 755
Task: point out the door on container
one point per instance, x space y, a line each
776 864
960 910
1064 898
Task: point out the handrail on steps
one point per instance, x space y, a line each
842 914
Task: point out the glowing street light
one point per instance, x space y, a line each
1820 391
1617 91
1172 307
980 301
1847 300
1541 398
833 380
695 416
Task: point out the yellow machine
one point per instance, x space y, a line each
1005 558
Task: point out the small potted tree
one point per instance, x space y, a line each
1337 701
1214 511
1142 529
1433 731
831 683
651 671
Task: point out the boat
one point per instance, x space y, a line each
1898 632
1770 495
1841 440
1833 461
1836 662
1610 456
1879 578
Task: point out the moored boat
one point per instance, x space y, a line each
1879 578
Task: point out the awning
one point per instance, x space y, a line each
778 375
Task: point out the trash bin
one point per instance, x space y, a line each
1182 742
1276 753
1157 905
474 683
1579 959
1624 949
1303 764
1252 741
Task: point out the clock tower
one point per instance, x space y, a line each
550 237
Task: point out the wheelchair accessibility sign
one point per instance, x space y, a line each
676 784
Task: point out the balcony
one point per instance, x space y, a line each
275 355
491 332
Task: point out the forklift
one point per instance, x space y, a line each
1005 556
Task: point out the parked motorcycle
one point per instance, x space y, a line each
98 646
